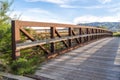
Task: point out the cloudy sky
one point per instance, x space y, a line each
67 11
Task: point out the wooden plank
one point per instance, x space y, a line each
42 42
13 77
90 32
52 36
60 37
45 24
77 64
84 32
75 38
15 39
80 33
70 34
87 32
27 34
32 39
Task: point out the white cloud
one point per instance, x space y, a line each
89 18
104 1
69 3
68 6
51 1
38 10
61 3
83 7
116 9
39 19
39 15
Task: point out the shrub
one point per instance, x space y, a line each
30 58
23 66
116 34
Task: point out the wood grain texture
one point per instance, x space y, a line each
95 61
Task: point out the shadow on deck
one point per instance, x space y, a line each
96 61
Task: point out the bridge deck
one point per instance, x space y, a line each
99 60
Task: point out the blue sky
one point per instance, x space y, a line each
67 11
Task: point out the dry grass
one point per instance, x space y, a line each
116 34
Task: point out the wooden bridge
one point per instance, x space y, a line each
98 60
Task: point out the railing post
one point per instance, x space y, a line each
92 33
105 34
87 31
70 34
102 32
84 32
15 39
52 32
96 35
98 32
80 33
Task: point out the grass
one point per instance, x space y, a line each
30 58
116 34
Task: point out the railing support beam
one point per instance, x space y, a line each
15 39
52 30
70 34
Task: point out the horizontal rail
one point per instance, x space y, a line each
42 42
46 24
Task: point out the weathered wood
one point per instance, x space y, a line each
36 77
60 37
52 33
45 24
94 61
15 39
96 32
18 26
70 34
32 39
27 34
84 32
42 42
9 76
75 38
87 32
92 33
80 33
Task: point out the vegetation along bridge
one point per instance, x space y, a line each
98 60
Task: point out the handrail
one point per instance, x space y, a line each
85 34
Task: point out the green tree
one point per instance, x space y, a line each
104 27
5 29
5 34
27 63
4 8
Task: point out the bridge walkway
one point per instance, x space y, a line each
99 60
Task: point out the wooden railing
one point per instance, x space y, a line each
74 37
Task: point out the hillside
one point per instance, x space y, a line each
113 26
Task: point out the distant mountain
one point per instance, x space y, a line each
113 26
